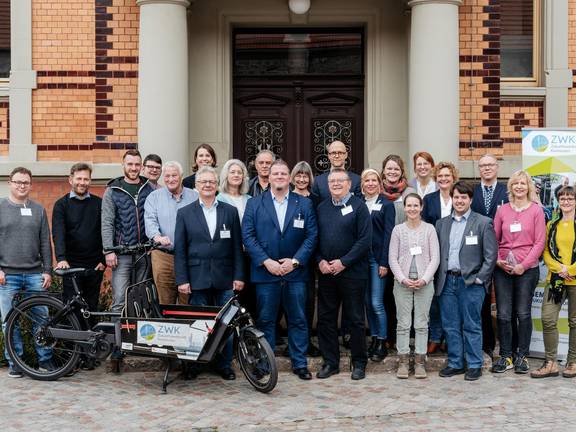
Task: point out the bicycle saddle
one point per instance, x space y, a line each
69 271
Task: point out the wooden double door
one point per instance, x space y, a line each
296 119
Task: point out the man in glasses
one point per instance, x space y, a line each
208 256
337 154
25 255
152 169
488 196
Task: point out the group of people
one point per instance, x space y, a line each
397 254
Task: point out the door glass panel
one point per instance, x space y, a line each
325 131
292 53
260 134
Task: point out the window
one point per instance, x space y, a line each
4 38
519 40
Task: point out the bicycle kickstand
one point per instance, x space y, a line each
166 381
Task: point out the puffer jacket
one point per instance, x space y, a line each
122 215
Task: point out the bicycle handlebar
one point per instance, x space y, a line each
133 249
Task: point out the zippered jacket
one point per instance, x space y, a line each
123 215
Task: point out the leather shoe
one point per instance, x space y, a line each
227 374
303 373
327 371
472 374
358 373
449 372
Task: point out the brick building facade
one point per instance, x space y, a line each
92 78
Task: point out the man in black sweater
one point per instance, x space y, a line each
76 235
345 238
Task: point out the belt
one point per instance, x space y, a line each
454 272
166 251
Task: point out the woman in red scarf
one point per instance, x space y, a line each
394 184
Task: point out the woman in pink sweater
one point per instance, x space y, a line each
521 233
414 256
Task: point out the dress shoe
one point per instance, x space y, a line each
313 350
303 373
327 371
472 374
433 347
449 372
358 372
227 374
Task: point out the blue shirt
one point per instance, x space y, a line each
160 211
280 207
210 214
78 197
456 235
343 201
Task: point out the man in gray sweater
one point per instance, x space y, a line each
25 255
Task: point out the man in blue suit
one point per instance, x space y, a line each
279 231
208 260
488 196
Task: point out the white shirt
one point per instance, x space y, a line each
445 209
210 216
370 203
430 187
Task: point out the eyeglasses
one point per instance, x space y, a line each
482 166
153 167
206 182
336 153
566 199
334 181
21 183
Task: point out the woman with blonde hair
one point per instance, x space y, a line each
382 215
521 233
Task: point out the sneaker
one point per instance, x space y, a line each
14 373
46 366
521 366
502 365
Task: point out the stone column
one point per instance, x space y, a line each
433 86
163 80
22 81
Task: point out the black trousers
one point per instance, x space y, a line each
334 291
488 336
89 288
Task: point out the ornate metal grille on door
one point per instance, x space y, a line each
323 133
263 135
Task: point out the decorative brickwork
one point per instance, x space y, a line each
86 55
480 78
516 115
4 127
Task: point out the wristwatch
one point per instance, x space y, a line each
295 263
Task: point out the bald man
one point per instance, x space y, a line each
337 154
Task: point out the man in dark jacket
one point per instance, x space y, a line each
344 242
123 224
208 258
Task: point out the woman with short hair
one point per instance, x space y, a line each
234 185
424 169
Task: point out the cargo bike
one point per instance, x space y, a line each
184 333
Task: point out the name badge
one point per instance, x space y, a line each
416 250
377 207
347 210
515 227
25 212
299 223
224 233
471 240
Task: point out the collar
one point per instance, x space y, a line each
493 185
280 201
74 195
343 201
214 205
464 217
174 197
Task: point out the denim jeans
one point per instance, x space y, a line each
29 284
292 297
121 278
375 311
419 300
514 297
214 297
461 309
436 330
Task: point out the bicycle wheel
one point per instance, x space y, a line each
28 339
256 360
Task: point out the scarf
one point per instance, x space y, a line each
393 192
556 288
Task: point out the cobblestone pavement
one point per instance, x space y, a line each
101 401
